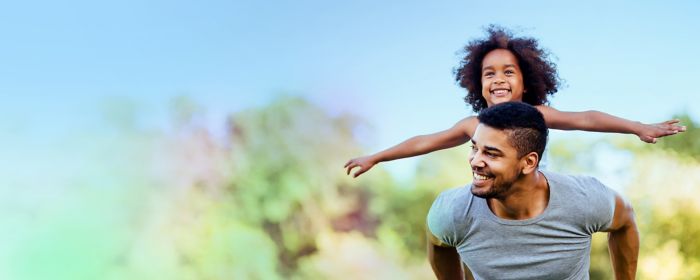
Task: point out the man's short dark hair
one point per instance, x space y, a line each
524 124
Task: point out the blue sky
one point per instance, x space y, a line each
389 62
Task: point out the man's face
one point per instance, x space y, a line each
501 78
494 161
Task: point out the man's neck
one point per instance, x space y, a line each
527 198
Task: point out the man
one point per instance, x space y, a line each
518 222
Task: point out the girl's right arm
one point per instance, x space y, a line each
457 135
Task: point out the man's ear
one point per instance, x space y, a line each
529 162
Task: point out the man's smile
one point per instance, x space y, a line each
480 177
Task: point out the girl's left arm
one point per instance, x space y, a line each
603 122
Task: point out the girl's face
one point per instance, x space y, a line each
501 79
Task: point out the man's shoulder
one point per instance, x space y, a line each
444 214
450 202
572 182
455 194
582 200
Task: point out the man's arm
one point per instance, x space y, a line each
444 259
602 122
457 135
623 240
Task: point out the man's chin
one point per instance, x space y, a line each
482 192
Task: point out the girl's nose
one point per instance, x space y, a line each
499 80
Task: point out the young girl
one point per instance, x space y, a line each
504 68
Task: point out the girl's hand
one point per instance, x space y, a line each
365 164
650 132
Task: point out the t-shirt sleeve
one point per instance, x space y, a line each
601 207
440 220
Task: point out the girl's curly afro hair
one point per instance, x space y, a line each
539 73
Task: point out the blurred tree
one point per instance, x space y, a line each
287 175
272 200
665 195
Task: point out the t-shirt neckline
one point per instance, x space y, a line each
552 199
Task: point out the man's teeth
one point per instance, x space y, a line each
480 177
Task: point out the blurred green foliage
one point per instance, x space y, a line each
270 200
392 217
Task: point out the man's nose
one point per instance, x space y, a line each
475 161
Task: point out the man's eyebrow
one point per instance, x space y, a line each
493 149
489 148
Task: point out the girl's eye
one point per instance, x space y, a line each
510 72
488 74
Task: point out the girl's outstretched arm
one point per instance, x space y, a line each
602 122
457 135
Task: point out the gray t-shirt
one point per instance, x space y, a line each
553 245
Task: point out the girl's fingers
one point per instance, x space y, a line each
677 128
350 167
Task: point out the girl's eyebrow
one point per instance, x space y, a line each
491 67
